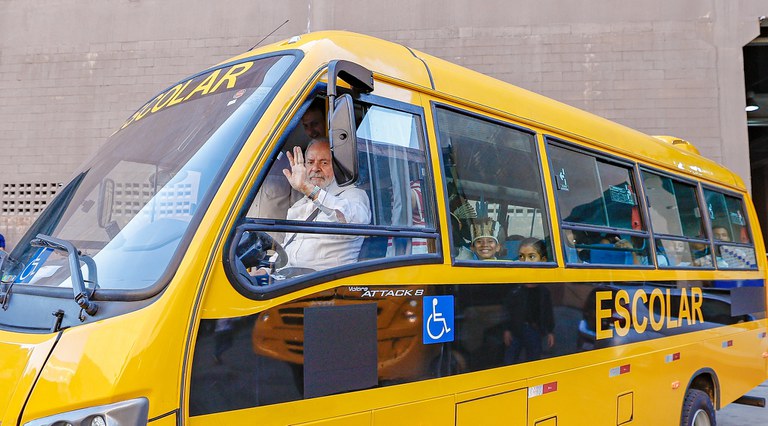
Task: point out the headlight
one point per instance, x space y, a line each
131 412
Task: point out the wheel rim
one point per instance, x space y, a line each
701 418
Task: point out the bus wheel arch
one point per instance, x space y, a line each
706 381
702 396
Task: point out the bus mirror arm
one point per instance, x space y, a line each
357 76
78 284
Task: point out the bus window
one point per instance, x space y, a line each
599 210
733 245
677 222
494 188
393 191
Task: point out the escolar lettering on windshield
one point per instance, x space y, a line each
640 310
193 88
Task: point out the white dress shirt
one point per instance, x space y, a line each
323 251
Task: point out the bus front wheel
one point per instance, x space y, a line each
697 409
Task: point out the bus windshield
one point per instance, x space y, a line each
129 206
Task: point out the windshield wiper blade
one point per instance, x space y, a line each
6 286
78 284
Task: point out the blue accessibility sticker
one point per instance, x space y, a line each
438 319
41 255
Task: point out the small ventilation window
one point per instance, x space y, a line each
26 199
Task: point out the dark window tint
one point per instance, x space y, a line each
733 245
591 191
494 189
673 206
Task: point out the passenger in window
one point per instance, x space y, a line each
702 256
313 121
485 240
462 214
275 196
530 311
721 233
642 258
729 256
572 254
402 246
532 250
323 201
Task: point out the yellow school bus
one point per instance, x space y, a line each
475 254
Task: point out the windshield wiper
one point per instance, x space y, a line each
6 286
78 284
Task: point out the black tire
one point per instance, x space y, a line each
697 409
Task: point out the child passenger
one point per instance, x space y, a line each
485 243
485 239
529 307
532 250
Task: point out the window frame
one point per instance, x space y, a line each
242 223
714 243
537 151
699 200
610 158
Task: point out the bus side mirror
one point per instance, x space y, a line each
341 120
106 202
343 141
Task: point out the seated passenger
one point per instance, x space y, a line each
530 311
313 121
532 250
275 196
721 233
726 255
616 251
323 201
462 214
702 256
485 240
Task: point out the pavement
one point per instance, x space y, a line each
745 415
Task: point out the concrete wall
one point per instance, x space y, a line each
71 71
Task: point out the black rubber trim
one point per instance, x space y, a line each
429 72
176 411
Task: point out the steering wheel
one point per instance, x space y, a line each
252 250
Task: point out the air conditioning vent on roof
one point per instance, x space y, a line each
679 143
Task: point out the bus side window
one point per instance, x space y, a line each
493 184
599 210
275 195
730 232
393 190
677 223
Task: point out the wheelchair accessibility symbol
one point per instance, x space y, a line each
438 319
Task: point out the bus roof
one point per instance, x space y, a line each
445 79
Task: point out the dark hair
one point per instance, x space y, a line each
318 104
537 245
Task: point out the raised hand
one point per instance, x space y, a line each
297 176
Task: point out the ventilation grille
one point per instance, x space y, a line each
26 199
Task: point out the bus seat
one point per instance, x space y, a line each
373 248
571 255
512 247
610 255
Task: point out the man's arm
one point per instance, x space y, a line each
350 206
